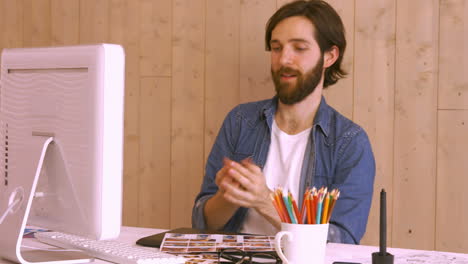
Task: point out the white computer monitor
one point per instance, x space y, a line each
61 142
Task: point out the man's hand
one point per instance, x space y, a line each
243 184
223 178
240 184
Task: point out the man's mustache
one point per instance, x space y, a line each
287 70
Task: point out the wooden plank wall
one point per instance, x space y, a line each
190 61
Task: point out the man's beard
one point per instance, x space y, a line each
305 84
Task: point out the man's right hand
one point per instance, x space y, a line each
223 178
240 184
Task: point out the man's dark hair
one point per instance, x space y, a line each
329 31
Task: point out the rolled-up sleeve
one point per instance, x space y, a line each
198 217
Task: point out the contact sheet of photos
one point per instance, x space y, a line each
202 248
188 243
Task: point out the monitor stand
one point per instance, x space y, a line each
16 213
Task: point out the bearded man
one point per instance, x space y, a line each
294 140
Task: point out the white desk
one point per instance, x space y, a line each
335 252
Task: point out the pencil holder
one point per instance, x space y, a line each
303 244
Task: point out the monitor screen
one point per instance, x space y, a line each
61 140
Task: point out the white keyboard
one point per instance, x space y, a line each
109 250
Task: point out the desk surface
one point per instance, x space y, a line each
335 252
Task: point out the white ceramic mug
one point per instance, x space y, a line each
305 244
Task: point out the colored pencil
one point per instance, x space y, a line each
279 197
296 210
325 208
319 207
289 208
332 204
309 213
275 204
313 207
303 207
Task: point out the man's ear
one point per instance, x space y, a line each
330 56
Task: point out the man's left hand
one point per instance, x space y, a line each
251 190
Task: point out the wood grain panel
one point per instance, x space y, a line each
280 3
155 38
452 168
37 23
155 148
94 21
340 95
374 79
221 66
65 22
453 60
255 64
124 30
188 77
415 124
11 24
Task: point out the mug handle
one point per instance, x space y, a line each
278 249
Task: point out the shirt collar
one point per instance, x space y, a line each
322 117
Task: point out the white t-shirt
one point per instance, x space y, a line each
282 169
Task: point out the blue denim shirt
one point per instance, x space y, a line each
338 155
